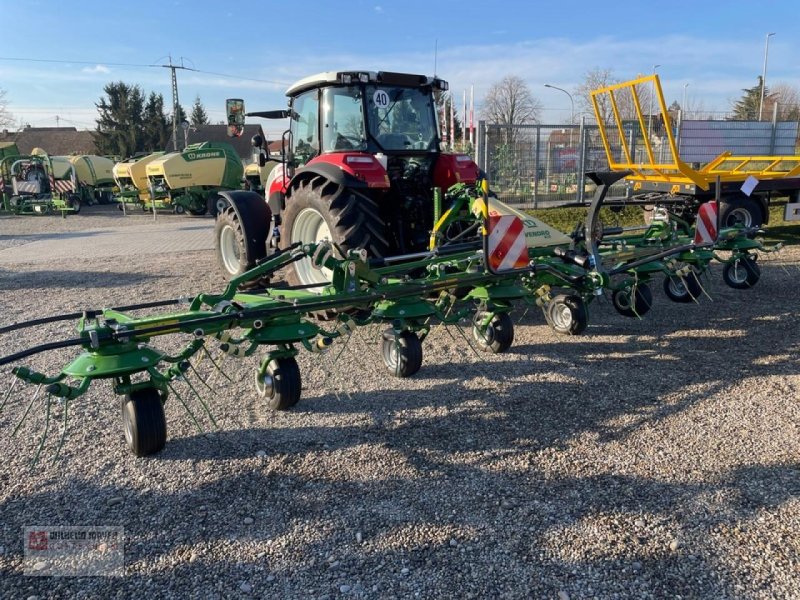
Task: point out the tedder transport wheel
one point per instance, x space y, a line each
566 314
634 301
280 384
498 335
740 210
683 289
742 273
320 209
402 353
144 422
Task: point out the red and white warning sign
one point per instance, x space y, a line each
705 229
507 246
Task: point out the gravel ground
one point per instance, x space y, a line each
648 458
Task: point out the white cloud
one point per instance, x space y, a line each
96 69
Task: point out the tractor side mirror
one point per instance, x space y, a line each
234 110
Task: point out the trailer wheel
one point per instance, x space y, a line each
143 421
220 204
685 289
566 314
321 209
740 211
634 301
498 335
280 384
742 273
178 209
401 353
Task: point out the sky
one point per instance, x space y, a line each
55 57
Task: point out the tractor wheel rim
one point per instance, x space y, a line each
739 216
229 249
310 226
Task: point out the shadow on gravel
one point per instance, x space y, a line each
469 484
33 280
38 237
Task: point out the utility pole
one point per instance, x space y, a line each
175 103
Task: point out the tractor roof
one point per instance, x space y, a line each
348 77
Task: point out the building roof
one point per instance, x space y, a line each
219 133
53 140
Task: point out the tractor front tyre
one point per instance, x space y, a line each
280 383
566 314
498 335
319 209
741 273
401 352
634 301
143 421
231 247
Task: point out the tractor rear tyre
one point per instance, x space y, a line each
683 289
401 352
742 273
498 335
741 211
634 301
320 209
143 421
280 384
566 314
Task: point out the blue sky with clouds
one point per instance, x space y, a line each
716 47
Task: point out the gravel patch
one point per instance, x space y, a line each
648 458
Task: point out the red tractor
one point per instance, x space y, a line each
360 163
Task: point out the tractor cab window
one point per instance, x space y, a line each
402 118
343 119
305 134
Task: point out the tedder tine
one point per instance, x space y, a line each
202 402
197 374
213 362
63 432
186 406
46 431
27 410
8 393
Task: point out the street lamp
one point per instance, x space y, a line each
683 104
572 112
764 75
652 93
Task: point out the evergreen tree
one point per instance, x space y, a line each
746 107
199 115
156 126
120 127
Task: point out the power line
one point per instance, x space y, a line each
120 64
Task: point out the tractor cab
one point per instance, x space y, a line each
376 113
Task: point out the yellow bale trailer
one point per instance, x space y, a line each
747 183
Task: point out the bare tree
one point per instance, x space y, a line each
600 78
6 118
511 102
788 99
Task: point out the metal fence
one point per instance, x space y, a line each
537 166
